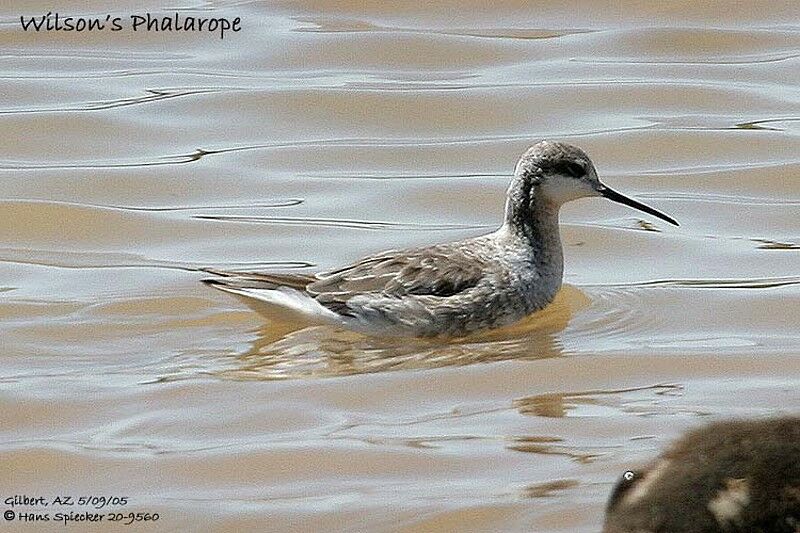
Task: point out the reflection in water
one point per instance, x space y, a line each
562 404
548 489
281 350
767 244
540 446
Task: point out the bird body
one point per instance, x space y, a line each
455 288
447 289
738 476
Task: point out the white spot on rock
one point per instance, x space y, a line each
729 503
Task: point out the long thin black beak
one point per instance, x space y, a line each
611 194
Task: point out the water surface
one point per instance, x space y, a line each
324 131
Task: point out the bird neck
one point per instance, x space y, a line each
533 219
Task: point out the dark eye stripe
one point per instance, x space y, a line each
575 170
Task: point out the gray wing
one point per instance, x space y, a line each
436 271
257 280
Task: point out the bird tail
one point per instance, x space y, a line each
279 297
256 280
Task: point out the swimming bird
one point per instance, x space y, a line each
733 476
455 288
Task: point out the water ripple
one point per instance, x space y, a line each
737 283
289 202
200 153
754 60
153 95
99 260
326 25
718 198
342 223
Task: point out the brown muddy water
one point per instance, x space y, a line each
323 131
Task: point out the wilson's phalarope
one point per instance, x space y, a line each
455 288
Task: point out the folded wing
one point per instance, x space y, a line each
429 272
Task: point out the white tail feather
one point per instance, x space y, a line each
284 304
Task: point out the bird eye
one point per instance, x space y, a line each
575 170
624 484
